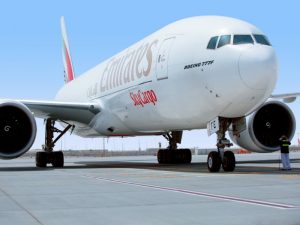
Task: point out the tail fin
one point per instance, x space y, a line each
68 66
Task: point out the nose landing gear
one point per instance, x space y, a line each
217 158
225 158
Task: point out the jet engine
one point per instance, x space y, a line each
17 129
265 126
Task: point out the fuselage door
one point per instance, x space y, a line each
162 59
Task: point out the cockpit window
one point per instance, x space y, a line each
238 39
261 39
224 40
242 39
212 42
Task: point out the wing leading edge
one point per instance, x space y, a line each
64 111
287 98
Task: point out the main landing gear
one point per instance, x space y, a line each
48 155
172 155
217 158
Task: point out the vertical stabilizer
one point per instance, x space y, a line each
68 66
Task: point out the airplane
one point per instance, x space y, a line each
207 72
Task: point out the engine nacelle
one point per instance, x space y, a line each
265 126
17 129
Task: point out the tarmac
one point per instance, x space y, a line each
136 190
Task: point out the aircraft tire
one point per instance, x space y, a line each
188 156
57 159
228 163
180 156
41 159
183 156
213 162
164 156
160 158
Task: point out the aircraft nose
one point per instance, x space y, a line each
258 67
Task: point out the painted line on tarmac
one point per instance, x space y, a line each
200 194
20 206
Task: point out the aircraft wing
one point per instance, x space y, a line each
287 98
65 111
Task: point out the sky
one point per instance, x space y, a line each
31 61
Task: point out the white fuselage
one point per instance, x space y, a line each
171 81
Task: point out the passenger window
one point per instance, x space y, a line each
242 39
261 39
224 40
212 43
